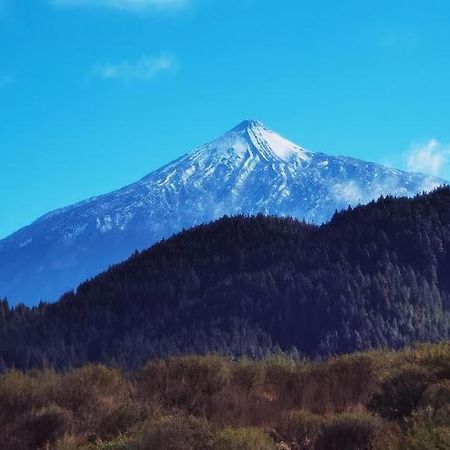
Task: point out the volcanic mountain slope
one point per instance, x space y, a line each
249 170
375 276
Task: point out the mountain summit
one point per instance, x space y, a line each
249 170
252 137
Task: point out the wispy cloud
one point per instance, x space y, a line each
123 5
144 69
349 192
430 157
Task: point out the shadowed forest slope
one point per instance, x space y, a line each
374 276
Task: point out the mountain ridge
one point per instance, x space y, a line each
249 170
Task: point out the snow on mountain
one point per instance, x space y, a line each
249 170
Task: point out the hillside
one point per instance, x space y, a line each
375 276
248 170
373 401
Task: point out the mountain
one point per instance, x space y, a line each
249 170
374 276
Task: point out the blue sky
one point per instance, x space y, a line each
95 94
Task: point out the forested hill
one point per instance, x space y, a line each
377 275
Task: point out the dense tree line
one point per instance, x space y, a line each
374 276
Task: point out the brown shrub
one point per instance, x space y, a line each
355 431
301 428
436 395
44 426
187 382
20 392
92 393
399 395
172 433
247 375
125 417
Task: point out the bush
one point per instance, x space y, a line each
188 381
401 394
283 379
88 385
20 392
354 431
247 375
242 439
119 443
173 433
427 438
435 356
302 428
45 426
92 393
124 418
437 396
69 442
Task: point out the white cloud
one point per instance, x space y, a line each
123 5
349 192
145 69
430 157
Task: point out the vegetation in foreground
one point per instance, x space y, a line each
377 400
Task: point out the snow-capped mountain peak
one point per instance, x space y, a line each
248 170
252 136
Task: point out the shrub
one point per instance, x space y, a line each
400 395
349 379
20 392
152 380
123 418
45 426
354 431
283 378
173 433
435 356
247 375
302 428
188 381
427 438
119 443
89 384
69 442
242 439
437 395
91 393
